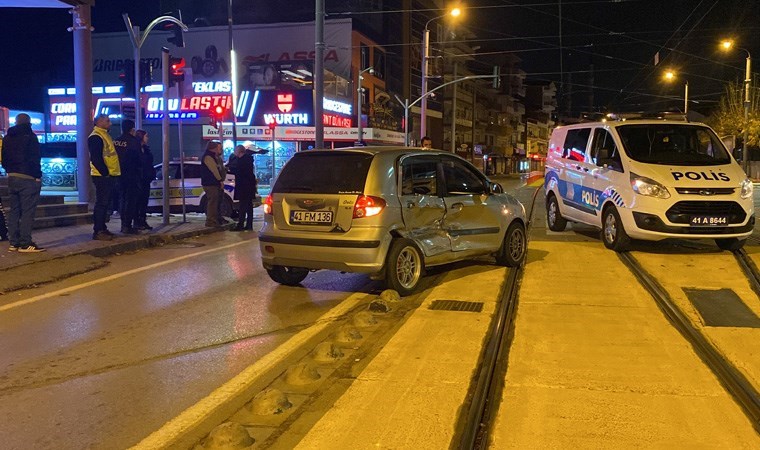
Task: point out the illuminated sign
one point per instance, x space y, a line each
196 103
287 119
210 87
331 120
336 106
285 102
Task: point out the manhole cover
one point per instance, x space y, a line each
456 305
722 308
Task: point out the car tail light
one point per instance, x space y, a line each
268 204
368 206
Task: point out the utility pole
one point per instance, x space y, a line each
319 75
83 85
454 114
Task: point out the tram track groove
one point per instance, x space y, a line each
750 269
728 375
475 425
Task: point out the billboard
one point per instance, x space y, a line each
268 55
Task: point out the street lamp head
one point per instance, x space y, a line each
726 44
456 12
669 75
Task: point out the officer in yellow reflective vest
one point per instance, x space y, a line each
104 167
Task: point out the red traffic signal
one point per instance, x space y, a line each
216 114
176 70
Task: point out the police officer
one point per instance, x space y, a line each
128 147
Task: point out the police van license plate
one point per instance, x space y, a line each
311 217
701 221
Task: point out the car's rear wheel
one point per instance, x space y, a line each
553 217
613 234
403 269
730 244
289 276
513 247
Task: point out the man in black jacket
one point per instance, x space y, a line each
245 187
21 159
128 147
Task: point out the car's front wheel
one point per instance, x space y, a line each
613 234
403 269
730 244
289 276
513 247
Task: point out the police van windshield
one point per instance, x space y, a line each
687 145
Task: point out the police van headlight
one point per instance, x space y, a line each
649 187
746 188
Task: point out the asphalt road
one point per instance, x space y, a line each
104 359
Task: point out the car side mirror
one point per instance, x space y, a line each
496 188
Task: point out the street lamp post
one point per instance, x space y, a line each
727 45
425 58
670 76
359 96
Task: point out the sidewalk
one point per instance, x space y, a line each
68 241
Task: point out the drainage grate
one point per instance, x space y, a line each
456 305
722 308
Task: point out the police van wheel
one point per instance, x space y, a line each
513 248
404 267
553 217
613 233
730 244
289 276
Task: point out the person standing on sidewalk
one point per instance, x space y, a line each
147 175
213 183
245 187
104 166
21 160
3 226
128 147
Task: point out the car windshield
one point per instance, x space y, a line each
670 144
332 172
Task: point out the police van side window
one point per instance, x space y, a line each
604 151
575 144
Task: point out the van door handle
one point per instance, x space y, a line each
577 167
585 169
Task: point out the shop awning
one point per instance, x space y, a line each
43 3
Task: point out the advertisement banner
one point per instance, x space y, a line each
305 134
268 54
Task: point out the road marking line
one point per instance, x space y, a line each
178 427
114 277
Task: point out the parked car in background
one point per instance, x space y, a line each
195 200
387 212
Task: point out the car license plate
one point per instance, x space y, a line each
311 217
708 221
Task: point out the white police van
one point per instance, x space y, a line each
647 179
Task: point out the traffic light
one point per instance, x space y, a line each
127 78
177 38
216 115
176 70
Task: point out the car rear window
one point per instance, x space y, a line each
325 173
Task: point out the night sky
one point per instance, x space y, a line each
618 37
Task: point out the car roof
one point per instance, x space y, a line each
375 150
618 123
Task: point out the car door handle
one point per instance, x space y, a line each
577 167
410 205
585 169
458 206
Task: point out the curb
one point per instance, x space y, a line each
145 241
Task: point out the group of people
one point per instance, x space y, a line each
124 164
213 174
20 154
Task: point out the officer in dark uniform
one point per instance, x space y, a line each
128 147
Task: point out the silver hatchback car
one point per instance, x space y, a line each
389 212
